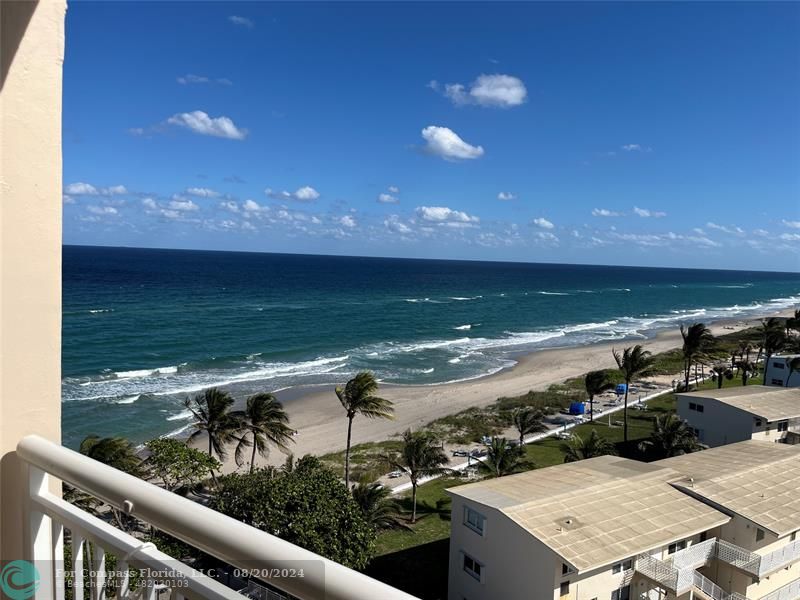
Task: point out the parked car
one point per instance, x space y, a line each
460 453
395 474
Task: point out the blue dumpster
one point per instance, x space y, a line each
621 388
577 408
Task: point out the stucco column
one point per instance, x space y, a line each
31 57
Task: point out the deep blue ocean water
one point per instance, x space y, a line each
144 328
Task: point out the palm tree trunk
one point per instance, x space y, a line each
591 409
625 414
413 501
209 443
253 457
347 453
766 362
687 372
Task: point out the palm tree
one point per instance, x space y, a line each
595 382
748 369
671 437
358 398
721 372
773 341
579 449
116 452
420 456
503 459
378 506
633 362
213 419
262 422
697 339
527 420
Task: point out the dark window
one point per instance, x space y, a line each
565 589
474 520
566 569
473 567
623 593
758 422
704 536
759 535
777 365
673 548
778 382
696 407
783 426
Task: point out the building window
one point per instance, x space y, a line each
777 365
696 407
625 565
783 426
673 548
566 569
777 382
564 589
759 535
474 520
758 422
623 593
473 567
704 536
793 537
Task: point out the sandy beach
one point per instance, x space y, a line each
317 416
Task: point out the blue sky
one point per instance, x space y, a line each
663 134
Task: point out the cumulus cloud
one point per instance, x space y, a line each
385 198
394 224
443 215
506 196
792 224
543 223
446 143
644 212
149 204
189 79
183 205
790 237
636 148
499 91
604 212
81 188
546 236
303 194
202 192
199 122
393 189
725 229
347 221
242 21
102 210
230 206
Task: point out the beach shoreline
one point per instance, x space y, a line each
317 416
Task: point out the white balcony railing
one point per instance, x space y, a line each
301 573
790 591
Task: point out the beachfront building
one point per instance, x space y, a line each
734 414
778 371
724 521
35 522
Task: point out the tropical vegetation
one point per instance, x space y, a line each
591 446
420 456
632 362
262 423
503 458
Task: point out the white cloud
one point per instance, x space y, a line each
189 78
251 206
543 223
790 237
394 223
644 212
393 189
506 196
149 204
102 210
230 206
81 189
761 232
183 205
171 214
199 122
241 21
499 91
347 221
636 148
443 215
725 228
248 226
114 190
604 212
67 199
445 143
792 224
546 236
387 199
303 194
202 192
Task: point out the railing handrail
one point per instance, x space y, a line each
214 533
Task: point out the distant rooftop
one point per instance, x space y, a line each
768 402
597 511
758 480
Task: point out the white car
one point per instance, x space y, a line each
395 474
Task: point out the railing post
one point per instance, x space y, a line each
41 536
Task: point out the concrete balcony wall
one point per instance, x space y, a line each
31 56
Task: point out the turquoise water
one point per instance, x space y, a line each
144 328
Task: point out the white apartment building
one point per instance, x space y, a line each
708 525
734 414
778 372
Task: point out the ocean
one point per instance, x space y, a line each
143 328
